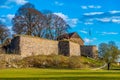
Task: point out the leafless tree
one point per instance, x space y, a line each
60 26
28 21
55 26
4 32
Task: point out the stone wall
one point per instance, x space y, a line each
10 57
10 60
14 46
89 51
28 46
64 48
74 49
77 40
68 48
37 46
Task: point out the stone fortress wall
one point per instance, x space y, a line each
28 46
69 48
23 46
89 51
37 46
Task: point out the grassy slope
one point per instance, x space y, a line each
62 74
92 62
81 62
59 74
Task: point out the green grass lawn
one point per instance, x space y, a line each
58 74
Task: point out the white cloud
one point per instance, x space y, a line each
65 17
91 17
19 2
114 12
116 21
10 16
7 18
88 41
104 19
58 3
109 33
113 19
71 21
88 23
95 7
91 7
84 7
93 13
83 31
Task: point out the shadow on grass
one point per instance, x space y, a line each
65 78
114 69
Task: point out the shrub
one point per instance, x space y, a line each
51 61
57 61
75 62
60 61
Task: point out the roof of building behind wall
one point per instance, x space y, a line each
70 35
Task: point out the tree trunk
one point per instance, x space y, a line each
108 66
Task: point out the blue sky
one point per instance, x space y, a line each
101 17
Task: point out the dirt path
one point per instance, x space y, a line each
100 67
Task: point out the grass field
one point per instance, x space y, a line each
58 74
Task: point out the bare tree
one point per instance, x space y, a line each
55 26
28 21
60 26
4 32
